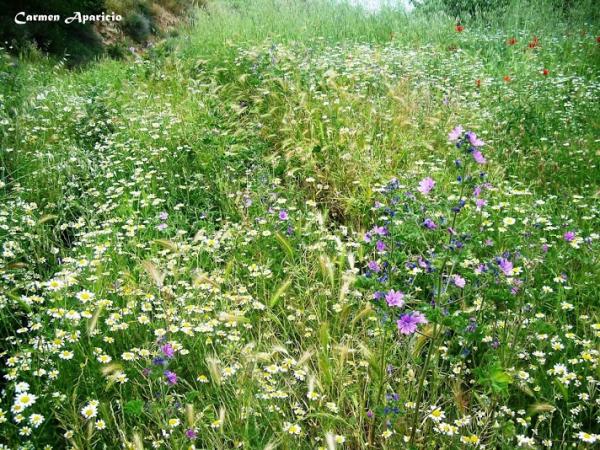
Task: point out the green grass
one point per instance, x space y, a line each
214 193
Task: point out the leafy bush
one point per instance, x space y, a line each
137 26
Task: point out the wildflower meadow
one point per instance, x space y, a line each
307 225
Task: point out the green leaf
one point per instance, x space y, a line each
133 408
499 380
285 245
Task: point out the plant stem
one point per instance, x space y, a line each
421 383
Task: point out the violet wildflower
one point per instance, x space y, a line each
159 361
283 215
505 266
569 236
380 246
474 140
191 433
429 224
426 185
171 377
455 134
168 350
395 298
480 203
381 231
478 157
407 324
374 266
163 215
459 281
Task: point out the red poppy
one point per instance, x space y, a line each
534 43
506 78
545 72
459 28
478 83
511 41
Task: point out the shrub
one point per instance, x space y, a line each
137 26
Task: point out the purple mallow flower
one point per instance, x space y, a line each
426 185
374 266
395 298
478 157
168 350
191 433
569 236
380 246
283 215
171 377
459 281
455 134
474 140
381 231
407 324
505 266
429 224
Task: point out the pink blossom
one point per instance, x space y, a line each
478 157
459 281
426 185
395 298
455 134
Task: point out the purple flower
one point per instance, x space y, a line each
381 231
159 361
380 246
171 377
283 215
480 203
407 324
505 266
478 157
191 433
426 185
474 140
168 350
545 248
161 226
569 236
163 215
395 298
455 134
373 266
459 281
429 224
